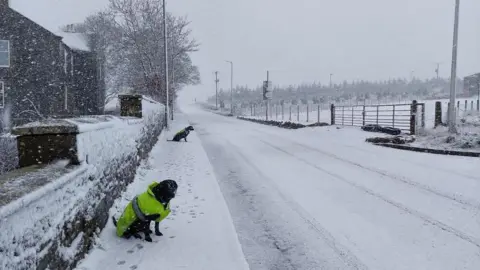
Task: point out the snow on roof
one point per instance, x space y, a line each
75 41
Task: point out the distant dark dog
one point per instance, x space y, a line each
156 202
182 134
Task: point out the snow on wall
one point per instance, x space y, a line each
8 153
54 226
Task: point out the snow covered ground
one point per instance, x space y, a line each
197 235
322 198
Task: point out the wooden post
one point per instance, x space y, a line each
363 115
413 117
308 112
352 114
466 104
332 114
283 112
290 119
423 115
318 113
343 115
471 106
478 105
378 106
393 117
438 114
298 113
276 112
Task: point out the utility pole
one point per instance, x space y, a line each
165 43
216 89
231 86
453 76
266 101
437 70
331 74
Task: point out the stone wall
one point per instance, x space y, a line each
54 226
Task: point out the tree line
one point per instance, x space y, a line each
355 92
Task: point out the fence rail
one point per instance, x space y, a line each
406 117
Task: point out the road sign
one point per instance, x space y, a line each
267 90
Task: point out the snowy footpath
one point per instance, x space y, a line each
199 233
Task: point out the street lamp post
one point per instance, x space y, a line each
331 74
231 86
165 43
453 76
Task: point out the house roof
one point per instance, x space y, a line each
75 41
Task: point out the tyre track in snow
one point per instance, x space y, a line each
368 191
475 206
263 231
348 256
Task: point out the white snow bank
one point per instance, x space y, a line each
199 233
467 139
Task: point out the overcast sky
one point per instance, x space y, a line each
306 40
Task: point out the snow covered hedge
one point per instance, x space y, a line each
54 226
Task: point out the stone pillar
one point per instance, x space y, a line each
46 141
438 113
131 105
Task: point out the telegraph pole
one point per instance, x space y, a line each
331 74
453 76
266 101
216 89
438 71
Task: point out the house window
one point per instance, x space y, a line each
4 53
2 94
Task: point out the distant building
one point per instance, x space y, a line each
46 73
471 84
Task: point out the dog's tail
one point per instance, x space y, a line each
114 221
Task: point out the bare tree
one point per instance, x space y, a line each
129 36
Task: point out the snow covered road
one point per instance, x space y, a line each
321 198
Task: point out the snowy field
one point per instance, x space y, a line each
197 235
322 198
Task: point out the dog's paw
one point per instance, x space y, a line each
158 233
137 236
148 238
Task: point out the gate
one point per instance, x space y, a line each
406 117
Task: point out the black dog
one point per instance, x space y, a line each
141 226
182 134
154 206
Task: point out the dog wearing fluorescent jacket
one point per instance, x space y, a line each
152 205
